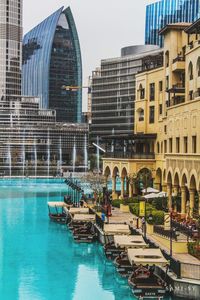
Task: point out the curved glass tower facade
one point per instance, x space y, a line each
10 48
163 12
51 59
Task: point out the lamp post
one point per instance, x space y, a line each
172 230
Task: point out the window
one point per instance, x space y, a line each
140 114
194 144
141 92
177 145
170 145
151 114
158 147
152 91
165 146
160 109
198 67
167 82
185 144
190 71
160 86
167 59
190 95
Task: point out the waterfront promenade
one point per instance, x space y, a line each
190 264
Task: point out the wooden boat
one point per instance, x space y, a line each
79 220
56 212
144 282
121 242
85 234
123 265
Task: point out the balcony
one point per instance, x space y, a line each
178 64
178 88
130 155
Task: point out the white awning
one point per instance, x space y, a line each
114 229
129 241
149 190
84 217
57 204
146 256
78 210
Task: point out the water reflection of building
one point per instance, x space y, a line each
52 59
33 143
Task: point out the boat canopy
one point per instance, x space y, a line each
146 256
57 204
84 217
77 210
129 241
115 229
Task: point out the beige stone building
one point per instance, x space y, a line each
166 137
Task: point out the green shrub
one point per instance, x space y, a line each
160 203
116 203
157 217
134 208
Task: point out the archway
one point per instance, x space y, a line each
107 174
193 198
124 183
158 179
144 179
169 189
115 174
176 199
184 194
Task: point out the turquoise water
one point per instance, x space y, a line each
39 260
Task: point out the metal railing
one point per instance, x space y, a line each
168 233
174 264
178 58
189 232
99 222
121 154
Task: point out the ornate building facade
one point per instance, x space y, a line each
167 117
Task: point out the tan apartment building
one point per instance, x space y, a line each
167 121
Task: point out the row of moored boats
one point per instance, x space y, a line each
132 257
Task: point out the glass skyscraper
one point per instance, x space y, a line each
52 59
163 12
10 48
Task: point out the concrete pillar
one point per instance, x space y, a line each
134 188
131 189
122 187
176 190
157 185
114 194
169 193
199 202
192 199
164 187
127 187
183 199
114 184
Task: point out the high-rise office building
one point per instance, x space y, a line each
51 60
10 47
113 91
163 12
32 142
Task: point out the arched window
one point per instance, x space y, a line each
158 147
190 71
167 59
198 66
141 92
140 112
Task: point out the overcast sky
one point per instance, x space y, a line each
104 26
